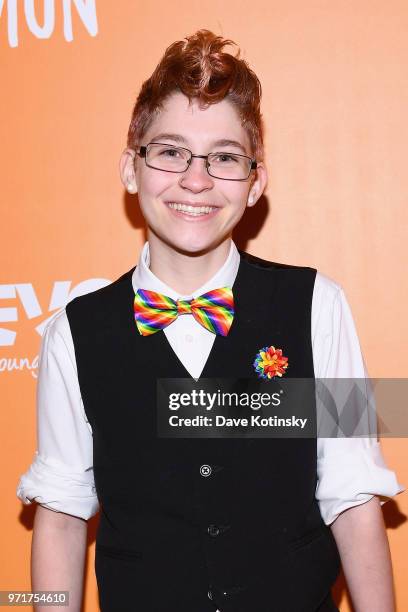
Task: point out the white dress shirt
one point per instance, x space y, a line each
350 471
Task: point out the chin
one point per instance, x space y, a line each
193 246
194 249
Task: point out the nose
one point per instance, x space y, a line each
196 177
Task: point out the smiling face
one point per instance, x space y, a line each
217 204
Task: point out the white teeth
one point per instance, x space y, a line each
192 210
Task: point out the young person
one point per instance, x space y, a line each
201 524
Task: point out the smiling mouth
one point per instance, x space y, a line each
194 211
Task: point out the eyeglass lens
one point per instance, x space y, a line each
177 159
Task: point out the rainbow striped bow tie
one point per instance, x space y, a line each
214 310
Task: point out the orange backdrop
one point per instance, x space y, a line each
335 99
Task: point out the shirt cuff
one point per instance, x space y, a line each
351 478
59 487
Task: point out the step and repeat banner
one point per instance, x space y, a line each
335 96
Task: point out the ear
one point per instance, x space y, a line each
127 170
258 184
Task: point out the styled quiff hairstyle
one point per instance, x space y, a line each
199 68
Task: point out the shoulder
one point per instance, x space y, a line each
294 279
326 291
56 327
269 266
328 305
106 292
56 342
99 304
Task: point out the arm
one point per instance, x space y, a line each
365 555
352 470
60 479
57 556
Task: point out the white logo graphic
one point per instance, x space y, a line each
86 10
25 296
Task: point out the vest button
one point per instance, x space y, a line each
205 470
213 530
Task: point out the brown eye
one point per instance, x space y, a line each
169 152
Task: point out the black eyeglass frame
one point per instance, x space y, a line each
142 152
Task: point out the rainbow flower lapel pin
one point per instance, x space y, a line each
270 362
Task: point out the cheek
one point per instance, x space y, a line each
153 182
238 195
150 190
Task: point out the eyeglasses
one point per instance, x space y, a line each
227 166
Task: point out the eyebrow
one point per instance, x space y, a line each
223 142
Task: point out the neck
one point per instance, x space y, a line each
182 271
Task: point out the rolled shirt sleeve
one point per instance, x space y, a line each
350 471
60 476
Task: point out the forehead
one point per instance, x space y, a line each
196 126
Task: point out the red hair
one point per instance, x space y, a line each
199 68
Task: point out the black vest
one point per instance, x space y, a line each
247 538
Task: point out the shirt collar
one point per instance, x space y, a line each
144 278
